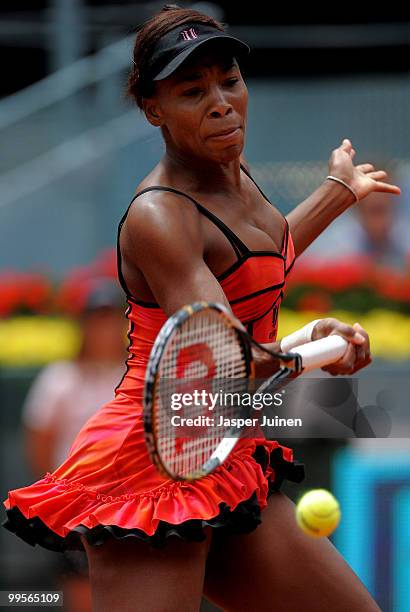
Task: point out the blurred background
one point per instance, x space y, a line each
73 151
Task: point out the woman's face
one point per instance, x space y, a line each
204 97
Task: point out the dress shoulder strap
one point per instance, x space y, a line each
285 238
238 246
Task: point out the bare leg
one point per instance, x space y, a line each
130 575
278 567
77 596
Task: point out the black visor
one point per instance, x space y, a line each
174 47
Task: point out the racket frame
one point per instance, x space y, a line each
290 367
174 322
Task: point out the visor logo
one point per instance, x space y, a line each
189 34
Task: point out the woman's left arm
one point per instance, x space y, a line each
310 218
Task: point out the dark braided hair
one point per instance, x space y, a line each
170 16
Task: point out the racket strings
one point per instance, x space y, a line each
204 355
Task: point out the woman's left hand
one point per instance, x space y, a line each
357 355
364 179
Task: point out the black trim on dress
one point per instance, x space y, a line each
127 366
256 293
239 263
290 267
278 298
243 519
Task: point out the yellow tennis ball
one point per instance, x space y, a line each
318 513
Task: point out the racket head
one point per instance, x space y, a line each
203 333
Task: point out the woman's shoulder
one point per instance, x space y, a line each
158 200
160 204
159 219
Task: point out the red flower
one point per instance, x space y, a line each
24 291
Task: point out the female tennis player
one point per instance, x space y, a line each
197 229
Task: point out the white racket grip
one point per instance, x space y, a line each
321 352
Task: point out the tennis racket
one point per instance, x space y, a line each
202 348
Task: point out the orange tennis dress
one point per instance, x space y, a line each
108 486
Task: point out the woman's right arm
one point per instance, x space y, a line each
163 238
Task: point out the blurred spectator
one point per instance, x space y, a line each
376 228
61 400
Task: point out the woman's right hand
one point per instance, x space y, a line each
357 355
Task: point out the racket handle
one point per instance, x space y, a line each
321 352
220 454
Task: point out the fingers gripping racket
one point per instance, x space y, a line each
198 347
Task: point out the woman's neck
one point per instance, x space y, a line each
202 176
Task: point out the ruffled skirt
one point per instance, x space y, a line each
108 487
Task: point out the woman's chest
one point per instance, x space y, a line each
259 228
